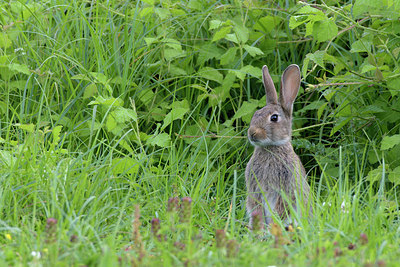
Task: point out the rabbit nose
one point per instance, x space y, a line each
254 133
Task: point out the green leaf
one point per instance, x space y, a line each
232 37
317 58
111 124
3 107
162 13
180 104
26 9
119 80
5 42
125 166
147 11
312 15
367 67
111 101
7 158
211 74
376 174
267 24
229 56
162 140
309 28
296 21
100 77
312 106
394 85
311 10
396 52
321 110
177 71
365 6
242 32
251 70
90 91
172 43
123 115
150 2
324 30
246 110
394 175
215 24
56 134
253 51
305 66
150 40
146 96
174 114
339 124
370 109
20 68
209 51
390 141
171 54
30 128
221 33
81 77
196 5
362 45
220 93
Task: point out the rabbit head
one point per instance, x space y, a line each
272 125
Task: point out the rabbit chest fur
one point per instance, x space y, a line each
271 172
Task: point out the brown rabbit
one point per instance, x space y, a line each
275 177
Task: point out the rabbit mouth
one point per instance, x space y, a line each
268 142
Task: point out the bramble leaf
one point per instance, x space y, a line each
253 51
390 141
20 68
220 34
324 30
211 74
162 140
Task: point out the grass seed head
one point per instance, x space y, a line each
173 204
232 248
186 209
257 222
381 263
51 230
179 245
155 228
351 246
73 239
220 238
363 238
338 252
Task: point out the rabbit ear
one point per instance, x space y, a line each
272 97
290 85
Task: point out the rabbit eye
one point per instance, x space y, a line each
274 117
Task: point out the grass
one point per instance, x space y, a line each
96 223
93 173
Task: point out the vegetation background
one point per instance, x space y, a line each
123 124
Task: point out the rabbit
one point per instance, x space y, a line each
275 176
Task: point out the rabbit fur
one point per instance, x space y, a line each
275 176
